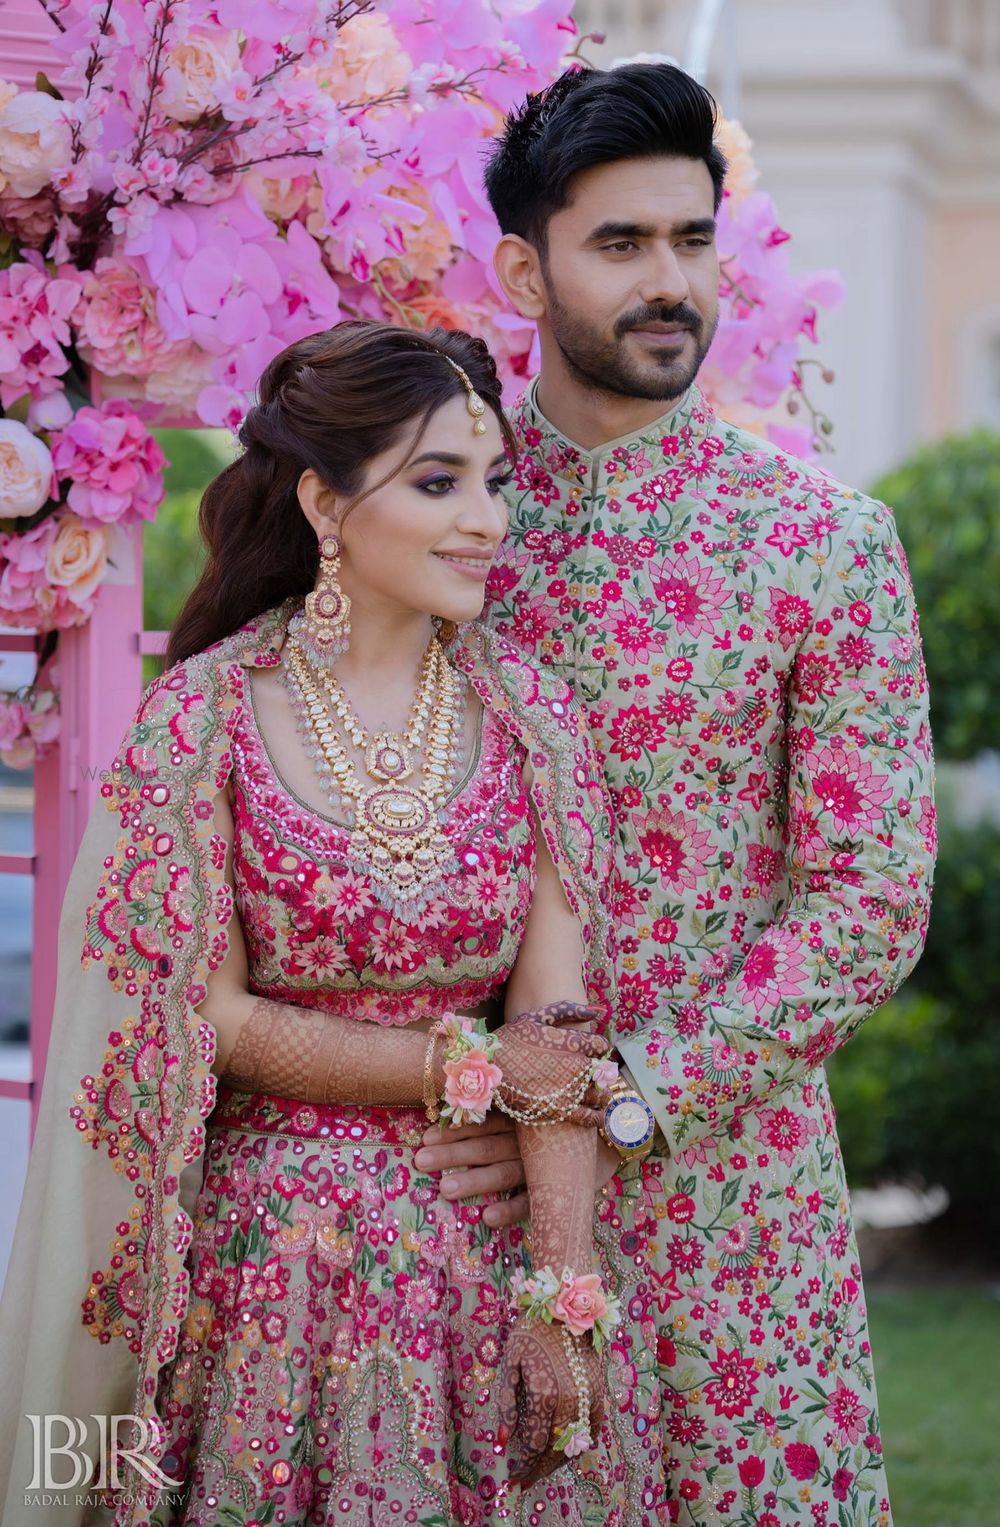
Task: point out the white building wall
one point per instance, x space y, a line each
870 119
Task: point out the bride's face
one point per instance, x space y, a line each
426 540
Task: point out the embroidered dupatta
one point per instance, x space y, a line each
97 1288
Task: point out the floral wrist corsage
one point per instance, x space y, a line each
470 1076
581 1303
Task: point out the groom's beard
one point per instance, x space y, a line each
604 363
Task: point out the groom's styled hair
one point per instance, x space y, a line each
589 117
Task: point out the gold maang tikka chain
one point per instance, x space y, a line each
396 833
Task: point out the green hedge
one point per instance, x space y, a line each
947 503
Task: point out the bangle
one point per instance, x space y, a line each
431 1105
470 1076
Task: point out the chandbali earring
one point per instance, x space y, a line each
323 628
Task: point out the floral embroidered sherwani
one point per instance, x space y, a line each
741 636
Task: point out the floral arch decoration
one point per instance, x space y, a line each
201 182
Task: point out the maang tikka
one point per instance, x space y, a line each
323 628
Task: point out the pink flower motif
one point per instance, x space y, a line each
765 865
675 845
636 635
635 730
113 463
848 788
690 592
802 1225
790 615
785 1132
801 1460
732 1392
787 538
772 972
34 329
847 1411
470 1083
392 947
581 1303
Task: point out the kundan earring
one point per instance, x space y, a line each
323 628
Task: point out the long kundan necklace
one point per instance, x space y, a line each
395 829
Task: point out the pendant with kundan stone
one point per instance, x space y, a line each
398 836
386 757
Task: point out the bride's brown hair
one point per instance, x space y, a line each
331 402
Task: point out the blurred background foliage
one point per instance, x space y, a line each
917 1088
173 554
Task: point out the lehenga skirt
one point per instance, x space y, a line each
339 1357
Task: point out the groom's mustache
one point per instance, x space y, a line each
680 316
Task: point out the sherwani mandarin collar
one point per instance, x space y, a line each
669 439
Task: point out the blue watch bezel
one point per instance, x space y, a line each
631 1145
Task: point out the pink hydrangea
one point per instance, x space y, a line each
112 462
34 327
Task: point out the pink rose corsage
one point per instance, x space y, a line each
580 1303
579 1300
471 1077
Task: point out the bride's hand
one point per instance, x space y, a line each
537 1394
543 1052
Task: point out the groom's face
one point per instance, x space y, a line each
631 276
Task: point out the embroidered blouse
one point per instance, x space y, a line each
317 928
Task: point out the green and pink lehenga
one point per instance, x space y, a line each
309 1331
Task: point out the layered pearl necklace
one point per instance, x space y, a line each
396 832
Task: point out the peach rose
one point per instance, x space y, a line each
195 71
78 557
470 1082
368 61
34 141
742 173
581 1303
25 470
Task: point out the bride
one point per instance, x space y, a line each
346 826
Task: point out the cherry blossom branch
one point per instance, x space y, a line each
52 14
159 39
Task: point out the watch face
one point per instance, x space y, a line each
629 1121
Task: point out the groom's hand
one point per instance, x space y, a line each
484 1158
478 1159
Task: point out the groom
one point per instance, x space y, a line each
741 636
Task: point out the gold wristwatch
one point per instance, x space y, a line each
628 1121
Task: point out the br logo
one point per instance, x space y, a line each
66 1445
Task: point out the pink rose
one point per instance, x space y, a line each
118 328
581 1303
576 1443
25 470
34 141
471 1081
605 1074
29 218
13 716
